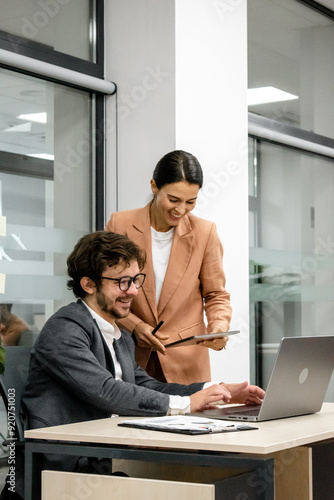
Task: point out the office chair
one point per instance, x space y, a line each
12 385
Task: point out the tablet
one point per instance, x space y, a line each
195 339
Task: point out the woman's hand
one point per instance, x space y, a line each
144 337
217 344
206 398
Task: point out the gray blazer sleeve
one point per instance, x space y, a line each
71 375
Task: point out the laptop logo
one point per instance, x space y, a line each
303 375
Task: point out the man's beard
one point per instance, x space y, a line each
105 306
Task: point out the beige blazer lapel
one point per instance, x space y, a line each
178 262
142 228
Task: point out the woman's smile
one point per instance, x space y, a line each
171 203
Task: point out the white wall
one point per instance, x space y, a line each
181 72
140 59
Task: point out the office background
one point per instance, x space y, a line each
182 69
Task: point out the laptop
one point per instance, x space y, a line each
297 385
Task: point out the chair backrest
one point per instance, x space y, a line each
13 382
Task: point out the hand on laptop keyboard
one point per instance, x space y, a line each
244 393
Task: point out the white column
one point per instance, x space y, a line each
140 59
211 123
181 72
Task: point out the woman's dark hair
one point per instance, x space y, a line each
94 252
178 166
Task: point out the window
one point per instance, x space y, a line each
290 52
51 165
291 176
291 248
64 32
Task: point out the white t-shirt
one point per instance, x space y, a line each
161 247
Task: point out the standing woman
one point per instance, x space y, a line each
184 274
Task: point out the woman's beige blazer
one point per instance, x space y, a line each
194 283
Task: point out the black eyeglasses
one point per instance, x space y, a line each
125 282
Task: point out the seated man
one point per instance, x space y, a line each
83 367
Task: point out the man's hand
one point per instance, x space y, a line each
144 337
206 397
244 393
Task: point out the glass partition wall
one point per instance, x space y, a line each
290 63
46 194
51 165
291 176
64 26
291 247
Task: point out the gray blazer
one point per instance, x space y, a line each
72 377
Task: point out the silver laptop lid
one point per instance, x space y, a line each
297 385
300 377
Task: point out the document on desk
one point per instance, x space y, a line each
184 424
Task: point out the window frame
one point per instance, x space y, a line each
321 9
41 52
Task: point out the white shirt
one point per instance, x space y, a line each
161 246
110 333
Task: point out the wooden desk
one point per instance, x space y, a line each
285 443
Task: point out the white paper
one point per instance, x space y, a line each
2 282
3 226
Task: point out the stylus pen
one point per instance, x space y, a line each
154 331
